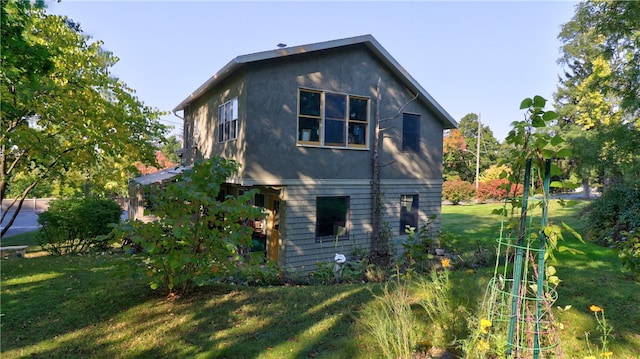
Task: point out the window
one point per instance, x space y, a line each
410 133
228 121
408 211
332 119
258 200
332 217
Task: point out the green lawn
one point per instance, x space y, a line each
80 307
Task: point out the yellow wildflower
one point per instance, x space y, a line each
607 354
482 345
594 308
469 271
446 262
485 325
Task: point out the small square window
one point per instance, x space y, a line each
408 212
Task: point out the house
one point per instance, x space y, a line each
301 121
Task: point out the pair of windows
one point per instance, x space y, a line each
332 119
228 121
332 215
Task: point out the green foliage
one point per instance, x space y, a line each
73 225
195 236
63 111
532 139
447 315
616 211
418 248
598 97
260 275
629 247
170 149
613 220
390 322
457 191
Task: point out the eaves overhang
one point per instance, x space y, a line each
367 40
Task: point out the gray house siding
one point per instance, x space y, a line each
267 136
202 118
271 120
267 87
302 249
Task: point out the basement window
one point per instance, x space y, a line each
332 218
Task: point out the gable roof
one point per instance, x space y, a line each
369 41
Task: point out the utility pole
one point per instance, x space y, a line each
478 155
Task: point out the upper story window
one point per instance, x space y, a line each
332 119
410 133
228 121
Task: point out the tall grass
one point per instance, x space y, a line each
390 322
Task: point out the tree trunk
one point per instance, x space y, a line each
376 205
586 189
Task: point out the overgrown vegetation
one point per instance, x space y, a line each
196 236
54 306
73 225
613 221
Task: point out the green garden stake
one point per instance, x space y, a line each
518 300
542 246
519 261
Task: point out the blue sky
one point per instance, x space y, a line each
471 56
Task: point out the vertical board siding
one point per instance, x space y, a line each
304 253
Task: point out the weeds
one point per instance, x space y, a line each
389 321
605 330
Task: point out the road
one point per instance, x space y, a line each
26 221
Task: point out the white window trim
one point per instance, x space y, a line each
233 121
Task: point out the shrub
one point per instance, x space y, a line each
617 211
72 225
498 189
494 172
614 220
457 191
196 237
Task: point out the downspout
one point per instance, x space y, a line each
184 136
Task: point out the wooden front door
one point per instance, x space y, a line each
273 229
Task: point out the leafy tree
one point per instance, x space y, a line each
489 145
61 107
460 149
456 157
170 149
599 95
195 236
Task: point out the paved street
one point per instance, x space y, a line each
25 222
